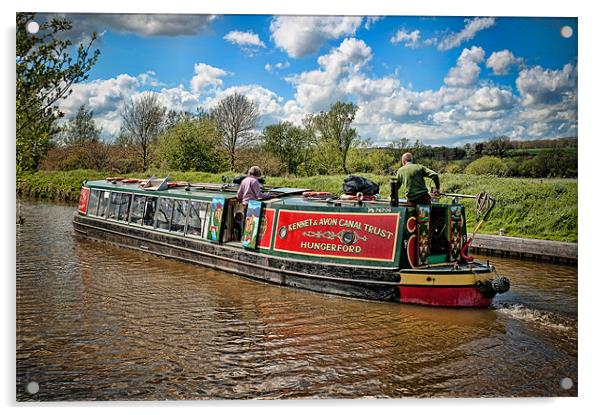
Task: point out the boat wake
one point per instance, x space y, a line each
545 319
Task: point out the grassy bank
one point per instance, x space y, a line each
529 208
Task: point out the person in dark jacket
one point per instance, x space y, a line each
411 176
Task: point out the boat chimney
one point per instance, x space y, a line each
394 188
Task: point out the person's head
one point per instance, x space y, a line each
255 171
407 158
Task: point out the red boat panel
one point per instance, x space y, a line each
265 229
443 296
359 236
83 200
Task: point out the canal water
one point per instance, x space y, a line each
96 322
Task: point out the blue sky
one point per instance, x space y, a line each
442 80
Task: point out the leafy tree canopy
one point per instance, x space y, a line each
45 73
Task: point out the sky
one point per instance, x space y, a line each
440 80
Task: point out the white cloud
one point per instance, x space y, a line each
472 27
410 40
149 78
467 69
300 36
371 20
317 89
104 97
178 99
244 39
142 24
351 55
545 86
502 61
277 66
206 77
366 88
491 99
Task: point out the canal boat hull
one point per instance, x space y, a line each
449 285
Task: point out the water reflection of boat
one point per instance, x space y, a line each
377 249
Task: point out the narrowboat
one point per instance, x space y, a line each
379 249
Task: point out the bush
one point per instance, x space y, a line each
269 163
487 165
366 160
453 168
191 145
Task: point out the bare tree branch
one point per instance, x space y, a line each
143 121
236 117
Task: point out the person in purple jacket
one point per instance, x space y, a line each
250 189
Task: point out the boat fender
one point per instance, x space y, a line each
485 288
489 288
500 284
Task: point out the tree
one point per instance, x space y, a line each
498 147
45 72
81 129
334 130
192 144
236 117
287 142
143 121
419 150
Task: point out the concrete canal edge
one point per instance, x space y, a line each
523 248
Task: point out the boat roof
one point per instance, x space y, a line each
282 196
193 190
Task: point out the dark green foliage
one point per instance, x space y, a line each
289 143
498 147
550 163
334 135
371 160
80 129
45 72
487 165
192 145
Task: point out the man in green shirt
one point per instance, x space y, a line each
411 177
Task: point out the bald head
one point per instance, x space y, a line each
407 158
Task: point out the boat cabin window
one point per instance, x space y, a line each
114 203
163 217
197 215
119 206
124 207
104 203
138 203
93 202
178 221
149 211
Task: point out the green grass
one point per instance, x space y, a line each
529 208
